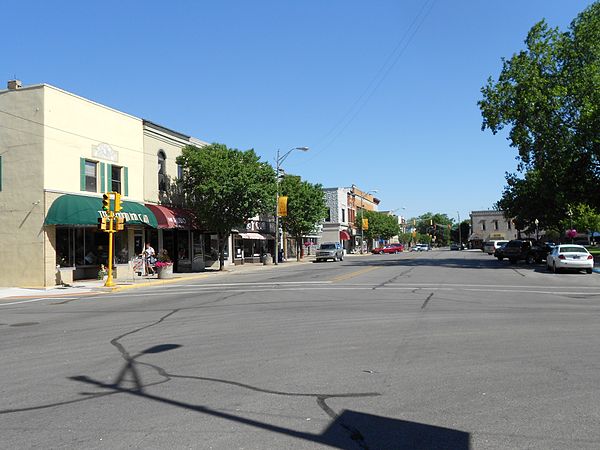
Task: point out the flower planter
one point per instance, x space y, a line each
165 271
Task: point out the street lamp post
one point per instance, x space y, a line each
278 162
459 232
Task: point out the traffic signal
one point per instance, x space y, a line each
430 221
103 223
117 202
365 224
106 202
282 206
120 223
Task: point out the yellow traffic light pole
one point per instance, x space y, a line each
110 231
114 224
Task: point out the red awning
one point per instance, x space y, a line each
168 217
344 236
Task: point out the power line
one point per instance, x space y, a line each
61 130
378 78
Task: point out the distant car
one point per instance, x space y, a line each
421 248
392 248
569 256
330 250
454 246
490 247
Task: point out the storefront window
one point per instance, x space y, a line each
81 247
64 247
211 248
138 242
198 245
183 245
121 250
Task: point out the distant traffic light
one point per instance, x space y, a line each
106 202
365 224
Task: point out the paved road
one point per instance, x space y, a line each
432 350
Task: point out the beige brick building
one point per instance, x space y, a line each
58 153
490 225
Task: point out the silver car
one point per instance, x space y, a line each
330 250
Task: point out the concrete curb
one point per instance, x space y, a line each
95 287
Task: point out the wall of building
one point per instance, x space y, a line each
491 225
336 200
158 139
21 196
75 127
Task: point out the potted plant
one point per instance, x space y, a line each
164 265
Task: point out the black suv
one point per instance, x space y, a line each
526 250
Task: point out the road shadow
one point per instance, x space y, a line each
347 430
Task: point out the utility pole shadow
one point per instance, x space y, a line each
350 429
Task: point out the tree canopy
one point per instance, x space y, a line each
548 95
381 225
225 187
306 207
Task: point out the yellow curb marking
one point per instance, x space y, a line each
353 274
158 282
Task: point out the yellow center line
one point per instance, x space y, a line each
353 274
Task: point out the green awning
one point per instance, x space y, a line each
80 210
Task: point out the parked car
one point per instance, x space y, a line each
392 248
454 246
330 250
569 256
526 250
420 248
490 247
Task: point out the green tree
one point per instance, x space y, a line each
381 225
430 224
548 95
585 219
306 208
225 187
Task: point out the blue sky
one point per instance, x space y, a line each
384 93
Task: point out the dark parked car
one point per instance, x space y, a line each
499 252
525 250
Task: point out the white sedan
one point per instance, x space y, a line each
570 256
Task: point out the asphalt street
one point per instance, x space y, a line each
441 349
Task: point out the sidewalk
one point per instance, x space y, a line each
97 286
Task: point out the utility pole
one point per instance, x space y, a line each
459 232
278 162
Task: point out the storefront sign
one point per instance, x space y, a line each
129 217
